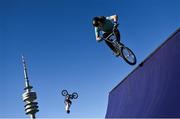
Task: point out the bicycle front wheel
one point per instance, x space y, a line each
128 55
64 92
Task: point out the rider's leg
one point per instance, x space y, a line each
111 46
109 43
118 36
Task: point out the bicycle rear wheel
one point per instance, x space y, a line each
75 95
128 55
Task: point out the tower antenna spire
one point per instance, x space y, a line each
27 85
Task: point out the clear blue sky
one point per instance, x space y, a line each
58 41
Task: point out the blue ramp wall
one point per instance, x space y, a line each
153 88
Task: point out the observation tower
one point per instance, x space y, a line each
29 96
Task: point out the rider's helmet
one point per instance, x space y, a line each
96 20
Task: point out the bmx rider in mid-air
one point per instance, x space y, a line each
68 98
103 27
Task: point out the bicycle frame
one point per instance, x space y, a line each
114 42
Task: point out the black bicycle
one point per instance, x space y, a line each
125 52
72 96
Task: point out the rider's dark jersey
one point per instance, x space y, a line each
107 27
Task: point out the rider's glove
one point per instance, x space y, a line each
99 39
115 25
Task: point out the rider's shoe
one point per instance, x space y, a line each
117 54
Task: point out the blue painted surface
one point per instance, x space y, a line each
153 88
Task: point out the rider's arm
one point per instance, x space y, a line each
113 17
97 34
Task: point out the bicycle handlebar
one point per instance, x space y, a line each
115 26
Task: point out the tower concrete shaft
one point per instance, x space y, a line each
29 96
